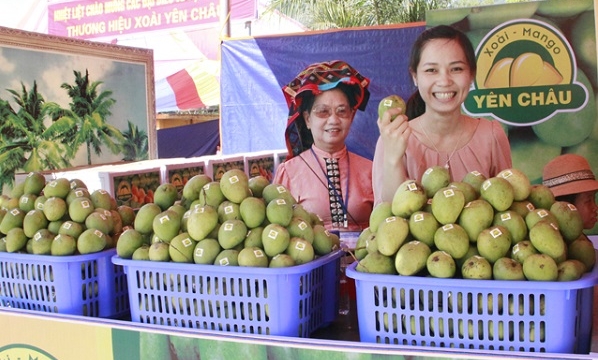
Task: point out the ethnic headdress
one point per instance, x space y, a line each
313 80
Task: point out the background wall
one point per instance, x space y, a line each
254 111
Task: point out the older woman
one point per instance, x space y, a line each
320 172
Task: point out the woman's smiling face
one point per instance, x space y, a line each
330 120
443 76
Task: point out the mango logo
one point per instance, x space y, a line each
527 69
254 170
22 351
526 74
177 180
123 192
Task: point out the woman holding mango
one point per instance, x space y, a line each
436 132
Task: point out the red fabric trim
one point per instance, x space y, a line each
185 91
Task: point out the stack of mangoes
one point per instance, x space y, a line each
501 228
238 221
59 217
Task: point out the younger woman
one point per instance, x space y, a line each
443 67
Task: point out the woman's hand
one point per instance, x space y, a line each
389 171
394 135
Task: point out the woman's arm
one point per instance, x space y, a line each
389 169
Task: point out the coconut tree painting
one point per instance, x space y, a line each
66 103
135 143
25 143
85 123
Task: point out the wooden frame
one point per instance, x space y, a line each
50 61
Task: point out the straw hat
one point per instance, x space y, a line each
569 174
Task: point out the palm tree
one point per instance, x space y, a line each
135 145
25 143
336 14
85 120
331 14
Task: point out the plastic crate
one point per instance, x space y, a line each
86 285
292 301
529 316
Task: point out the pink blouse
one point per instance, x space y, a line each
488 152
304 176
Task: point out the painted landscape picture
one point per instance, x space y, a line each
66 104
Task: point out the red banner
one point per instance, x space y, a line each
88 19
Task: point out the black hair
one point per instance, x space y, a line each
416 105
570 198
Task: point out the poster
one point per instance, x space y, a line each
537 75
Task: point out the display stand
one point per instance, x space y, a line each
26 334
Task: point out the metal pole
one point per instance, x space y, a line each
224 17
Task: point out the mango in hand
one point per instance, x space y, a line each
390 102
